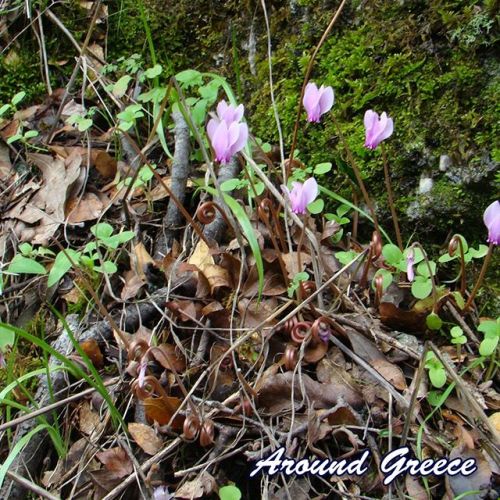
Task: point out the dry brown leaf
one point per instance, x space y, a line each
105 164
201 486
276 390
88 207
116 461
140 259
6 170
494 419
45 211
133 283
254 313
217 276
170 357
201 257
401 319
93 351
145 437
89 419
161 410
415 490
291 261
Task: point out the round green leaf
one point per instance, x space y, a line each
392 254
229 492
433 321
230 185
438 377
322 168
421 289
488 346
316 206
423 270
7 337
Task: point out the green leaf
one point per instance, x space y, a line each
120 87
14 138
189 77
459 340
458 299
25 249
107 267
386 278
478 253
125 236
434 398
438 377
446 258
18 98
433 321
102 230
24 265
316 207
488 346
456 331
156 94
230 185
423 270
154 71
199 111
209 92
62 265
421 289
259 187
490 327
84 124
302 276
322 168
229 492
346 257
30 134
392 254
7 338
4 109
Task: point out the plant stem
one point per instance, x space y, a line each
361 184
306 79
391 199
457 238
480 278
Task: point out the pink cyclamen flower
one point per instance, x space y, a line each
377 128
302 194
410 261
491 219
316 101
226 139
229 113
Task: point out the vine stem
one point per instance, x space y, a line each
306 79
391 199
479 281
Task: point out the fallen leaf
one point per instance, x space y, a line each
291 261
415 490
93 351
105 164
202 485
145 437
45 210
88 207
88 419
133 283
161 410
116 461
170 357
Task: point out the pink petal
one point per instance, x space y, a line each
370 117
311 101
326 99
238 112
242 138
211 127
220 141
310 190
222 109
491 213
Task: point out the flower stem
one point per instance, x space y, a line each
480 278
391 199
456 238
357 173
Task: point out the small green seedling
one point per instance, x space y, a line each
297 280
458 338
491 330
437 373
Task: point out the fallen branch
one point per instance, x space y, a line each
180 174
